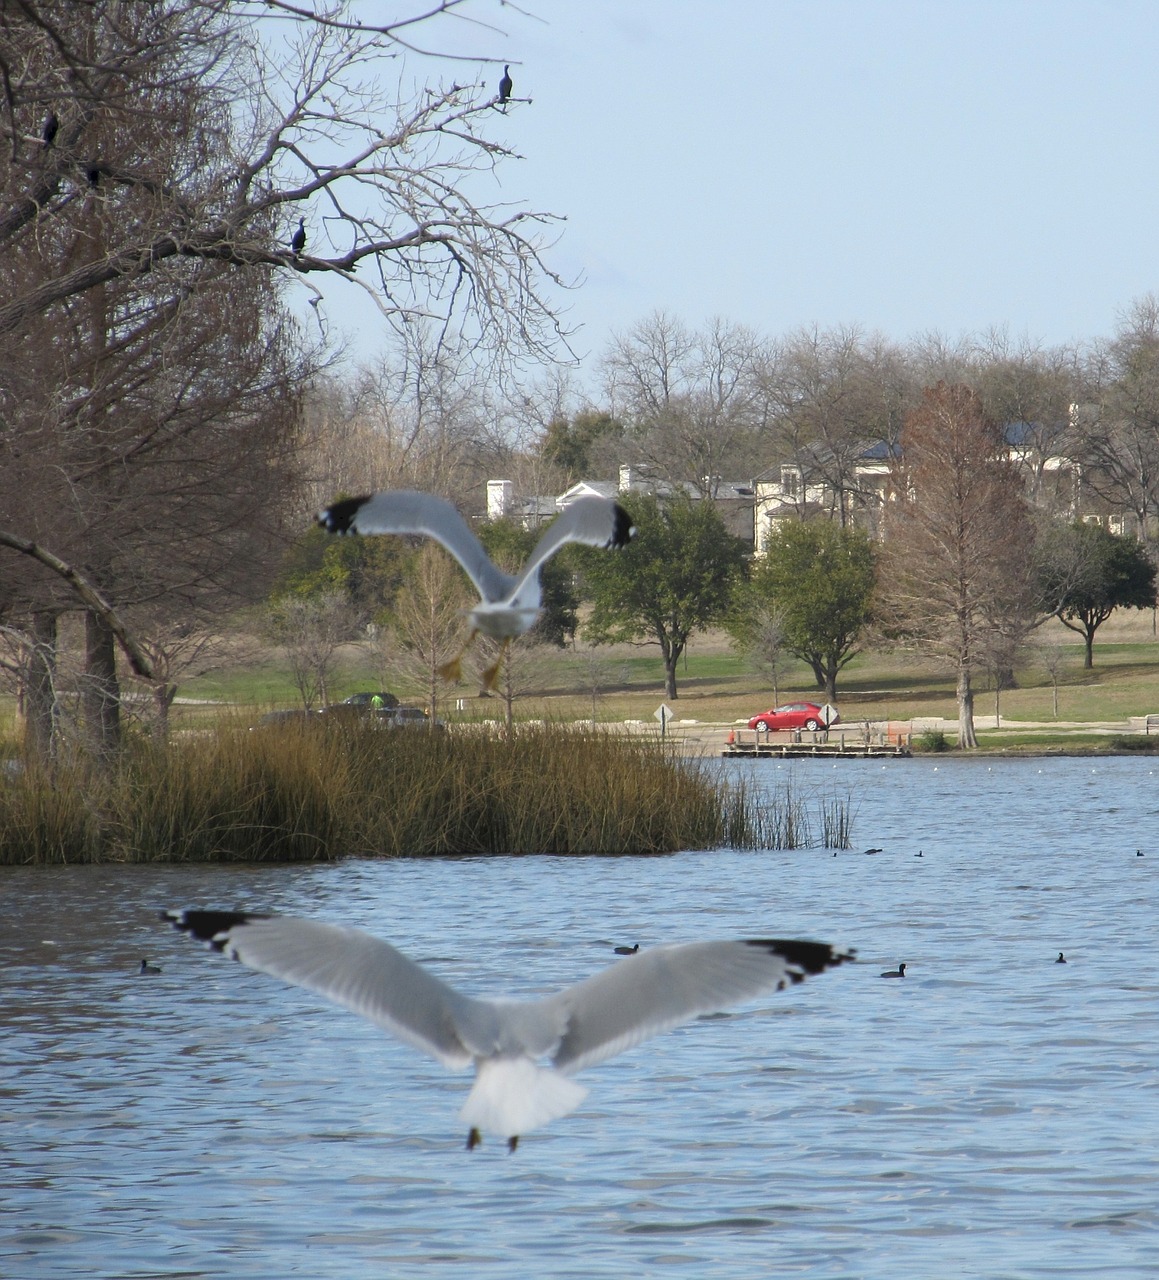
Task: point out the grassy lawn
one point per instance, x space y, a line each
715 685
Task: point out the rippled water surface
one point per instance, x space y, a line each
995 1114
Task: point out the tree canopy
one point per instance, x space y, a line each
817 579
1084 573
676 577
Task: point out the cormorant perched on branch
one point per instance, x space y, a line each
505 86
298 243
48 133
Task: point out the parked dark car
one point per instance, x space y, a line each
793 715
410 718
364 702
284 719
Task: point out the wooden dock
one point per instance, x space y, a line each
803 744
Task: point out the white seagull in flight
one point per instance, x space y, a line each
506 1040
508 606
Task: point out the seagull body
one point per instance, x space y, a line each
508 606
506 1040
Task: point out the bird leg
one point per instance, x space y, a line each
453 671
473 1139
491 675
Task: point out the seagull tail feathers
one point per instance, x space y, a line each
512 1096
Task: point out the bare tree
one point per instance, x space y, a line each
762 635
298 129
1029 390
956 564
1119 432
692 398
1053 656
142 239
834 393
311 630
425 626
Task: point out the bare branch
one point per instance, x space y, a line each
92 598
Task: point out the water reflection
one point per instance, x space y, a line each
988 1115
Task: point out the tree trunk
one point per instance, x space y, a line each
671 649
163 694
1089 652
101 697
40 703
670 661
967 738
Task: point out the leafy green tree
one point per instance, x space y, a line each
677 576
367 571
818 578
570 443
1084 573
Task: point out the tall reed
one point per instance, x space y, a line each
319 791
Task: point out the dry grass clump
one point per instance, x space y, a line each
315 791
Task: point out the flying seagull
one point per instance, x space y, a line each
505 86
505 1040
508 606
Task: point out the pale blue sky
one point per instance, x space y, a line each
904 165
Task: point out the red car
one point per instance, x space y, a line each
795 715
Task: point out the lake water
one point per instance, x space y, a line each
995 1114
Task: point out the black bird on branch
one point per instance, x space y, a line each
298 243
48 133
505 86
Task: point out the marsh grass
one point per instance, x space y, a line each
787 819
315 792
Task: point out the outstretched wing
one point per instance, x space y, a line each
406 511
352 968
658 989
593 521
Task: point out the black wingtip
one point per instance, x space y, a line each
339 516
623 530
209 926
803 957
